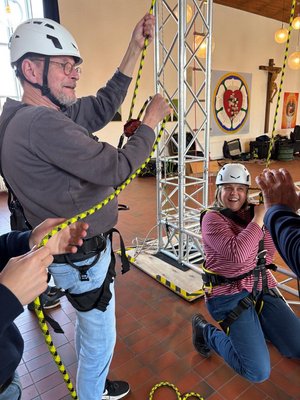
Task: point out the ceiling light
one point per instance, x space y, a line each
281 35
294 60
296 23
189 13
201 44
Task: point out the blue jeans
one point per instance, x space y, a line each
13 391
245 349
95 331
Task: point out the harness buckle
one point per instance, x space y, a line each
84 276
247 301
261 254
261 257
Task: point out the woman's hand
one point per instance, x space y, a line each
259 213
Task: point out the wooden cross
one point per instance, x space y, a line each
272 88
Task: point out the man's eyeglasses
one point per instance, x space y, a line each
67 67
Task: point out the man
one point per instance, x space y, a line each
59 169
282 202
21 281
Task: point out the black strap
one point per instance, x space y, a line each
229 214
216 280
99 298
211 279
243 305
55 325
124 260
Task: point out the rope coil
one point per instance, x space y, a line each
175 389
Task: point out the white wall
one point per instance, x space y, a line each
244 41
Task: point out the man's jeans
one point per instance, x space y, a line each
95 331
13 391
245 349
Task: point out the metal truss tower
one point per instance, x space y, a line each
182 69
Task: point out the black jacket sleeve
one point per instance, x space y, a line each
13 244
284 227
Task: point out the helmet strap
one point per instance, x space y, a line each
45 90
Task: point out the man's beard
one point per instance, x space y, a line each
66 100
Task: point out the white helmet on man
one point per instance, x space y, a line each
42 36
233 173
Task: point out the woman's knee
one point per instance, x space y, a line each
259 374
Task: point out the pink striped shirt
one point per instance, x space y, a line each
231 250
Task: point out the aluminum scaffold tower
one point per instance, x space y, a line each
183 77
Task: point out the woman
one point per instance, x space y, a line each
241 291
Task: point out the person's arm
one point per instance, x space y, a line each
94 112
281 202
277 187
284 226
13 244
8 313
64 241
97 162
144 29
26 276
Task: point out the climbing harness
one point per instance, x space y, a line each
211 279
176 390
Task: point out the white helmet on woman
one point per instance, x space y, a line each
233 173
42 36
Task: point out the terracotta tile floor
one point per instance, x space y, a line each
154 331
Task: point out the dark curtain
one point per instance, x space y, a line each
51 9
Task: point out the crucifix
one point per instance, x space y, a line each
272 88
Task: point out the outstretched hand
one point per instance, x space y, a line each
278 188
65 241
144 29
156 111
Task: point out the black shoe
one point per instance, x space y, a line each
54 292
49 299
198 324
115 390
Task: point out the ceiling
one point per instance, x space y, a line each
275 9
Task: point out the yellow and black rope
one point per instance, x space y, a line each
176 390
272 141
137 82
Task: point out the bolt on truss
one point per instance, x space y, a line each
182 69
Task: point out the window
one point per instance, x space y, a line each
12 13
